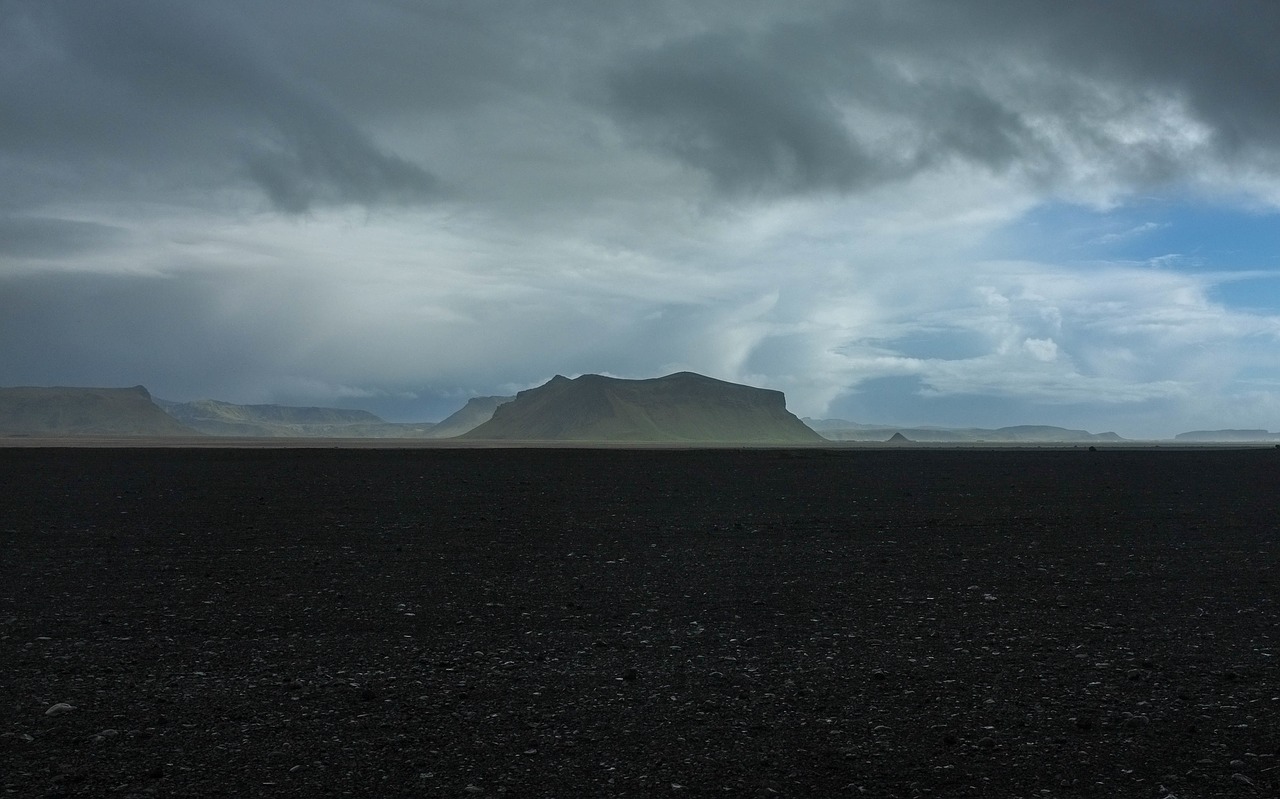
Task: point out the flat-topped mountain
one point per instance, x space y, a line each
218 418
679 408
476 412
70 411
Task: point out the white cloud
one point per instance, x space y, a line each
1130 233
1042 349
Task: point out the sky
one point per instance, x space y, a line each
972 213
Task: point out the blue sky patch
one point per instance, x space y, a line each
1159 233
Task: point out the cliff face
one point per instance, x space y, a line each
65 411
678 408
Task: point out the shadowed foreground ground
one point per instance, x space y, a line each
1055 623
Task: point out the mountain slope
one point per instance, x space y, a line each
69 411
476 412
683 407
285 421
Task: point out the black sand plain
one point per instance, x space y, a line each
579 622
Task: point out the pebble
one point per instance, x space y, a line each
59 709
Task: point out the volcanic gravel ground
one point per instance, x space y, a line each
1001 623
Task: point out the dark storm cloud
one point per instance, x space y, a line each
320 160
146 99
1029 87
786 110
1220 56
972 126
716 106
175 96
1082 64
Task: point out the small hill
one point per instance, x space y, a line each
1221 436
476 412
68 411
217 418
679 408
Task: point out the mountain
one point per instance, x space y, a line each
1227 435
840 430
218 418
67 411
476 412
683 407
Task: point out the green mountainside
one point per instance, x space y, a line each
70 411
678 408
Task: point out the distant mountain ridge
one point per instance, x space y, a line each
841 430
1209 436
75 411
683 407
679 408
217 418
